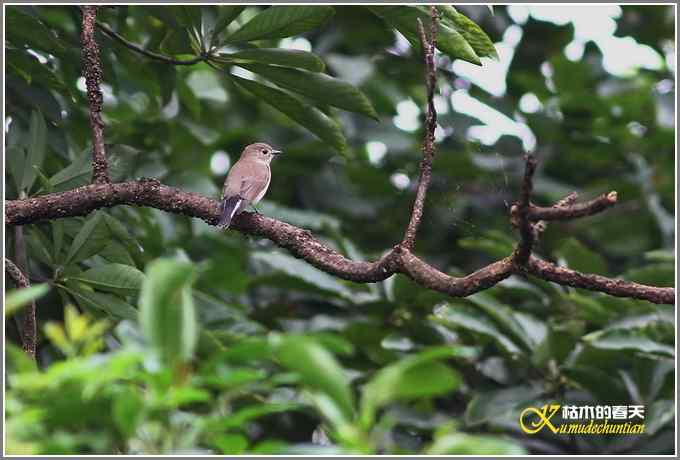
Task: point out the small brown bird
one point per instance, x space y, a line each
247 181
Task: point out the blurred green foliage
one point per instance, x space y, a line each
253 351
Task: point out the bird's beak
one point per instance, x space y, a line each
276 152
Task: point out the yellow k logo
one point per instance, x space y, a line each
544 415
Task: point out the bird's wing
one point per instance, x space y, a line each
246 181
256 186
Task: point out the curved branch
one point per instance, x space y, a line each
302 244
428 276
150 54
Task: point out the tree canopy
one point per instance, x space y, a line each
327 324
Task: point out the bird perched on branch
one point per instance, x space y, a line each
247 181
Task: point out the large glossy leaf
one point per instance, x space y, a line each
167 312
74 175
109 303
631 340
473 34
580 258
490 406
91 239
304 114
418 376
298 269
116 278
456 315
504 316
225 16
282 21
28 30
318 368
319 87
279 56
405 20
16 159
37 145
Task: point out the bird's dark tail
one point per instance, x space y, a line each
230 207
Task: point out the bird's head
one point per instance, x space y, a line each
260 151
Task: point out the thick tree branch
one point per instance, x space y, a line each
92 71
150 54
302 244
428 276
28 330
616 287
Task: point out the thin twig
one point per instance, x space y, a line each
150 54
521 209
92 71
573 210
428 47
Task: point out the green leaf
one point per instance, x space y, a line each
39 246
304 114
243 416
167 313
660 255
91 239
57 237
298 269
127 410
16 159
318 87
658 274
505 403
632 340
404 19
299 217
318 367
473 34
458 315
74 175
231 444
107 303
278 56
503 315
492 242
660 413
225 16
416 376
581 258
28 30
281 21
116 278
467 444
17 298
37 145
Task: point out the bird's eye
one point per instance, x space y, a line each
265 151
